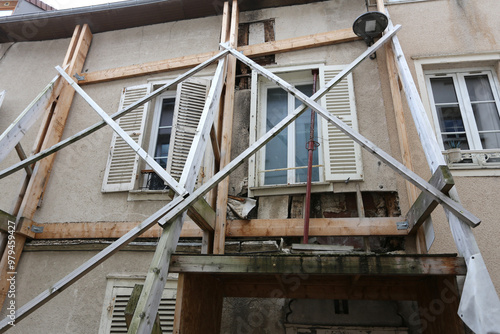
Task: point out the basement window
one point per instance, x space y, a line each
465 106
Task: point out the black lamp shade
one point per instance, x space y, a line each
370 25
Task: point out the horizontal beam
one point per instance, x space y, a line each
106 230
256 50
414 265
5 218
235 228
425 204
317 227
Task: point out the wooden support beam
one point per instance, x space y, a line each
132 305
256 50
198 307
42 170
106 230
235 228
425 204
227 133
318 227
415 265
5 218
8 5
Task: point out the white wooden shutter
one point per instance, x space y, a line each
189 103
341 155
121 297
122 165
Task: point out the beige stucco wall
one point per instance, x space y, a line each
454 27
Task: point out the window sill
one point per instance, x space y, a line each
148 195
290 189
473 162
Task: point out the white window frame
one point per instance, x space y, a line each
155 128
256 162
295 79
458 76
120 283
460 62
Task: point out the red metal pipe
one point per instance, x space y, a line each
311 146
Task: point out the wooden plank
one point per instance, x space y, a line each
132 305
42 170
415 265
106 230
227 132
15 132
404 147
318 227
5 218
398 167
256 50
425 204
8 5
198 305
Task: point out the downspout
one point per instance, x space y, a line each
311 146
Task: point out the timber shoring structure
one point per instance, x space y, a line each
171 217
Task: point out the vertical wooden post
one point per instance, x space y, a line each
438 305
198 306
41 172
397 104
227 131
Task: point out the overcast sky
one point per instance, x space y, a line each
63 4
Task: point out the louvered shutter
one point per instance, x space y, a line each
189 103
341 155
166 310
121 168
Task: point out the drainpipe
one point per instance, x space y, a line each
311 146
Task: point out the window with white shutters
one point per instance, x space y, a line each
342 154
189 104
283 161
121 168
172 134
116 299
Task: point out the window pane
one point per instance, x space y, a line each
450 119
302 133
479 88
443 90
486 115
458 140
167 112
276 149
490 140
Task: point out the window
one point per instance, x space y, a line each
283 161
161 132
465 108
118 291
173 125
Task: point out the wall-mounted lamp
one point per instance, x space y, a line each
370 25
